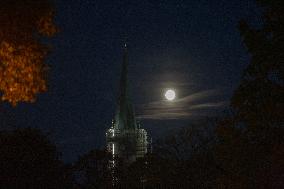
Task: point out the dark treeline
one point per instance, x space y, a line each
243 150
29 160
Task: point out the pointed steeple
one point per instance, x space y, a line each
124 118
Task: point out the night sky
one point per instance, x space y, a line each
191 46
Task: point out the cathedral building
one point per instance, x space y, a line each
125 138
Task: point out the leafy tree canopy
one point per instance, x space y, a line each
22 54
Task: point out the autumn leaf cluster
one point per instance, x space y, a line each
22 53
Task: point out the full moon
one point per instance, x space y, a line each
170 95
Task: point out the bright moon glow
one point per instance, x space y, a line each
170 95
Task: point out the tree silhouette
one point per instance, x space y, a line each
190 152
195 138
29 160
259 99
92 170
251 146
22 53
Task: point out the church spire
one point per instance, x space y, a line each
125 139
124 118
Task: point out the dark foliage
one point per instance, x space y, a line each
251 147
29 160
93 170
259 99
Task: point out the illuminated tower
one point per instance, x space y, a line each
125 139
